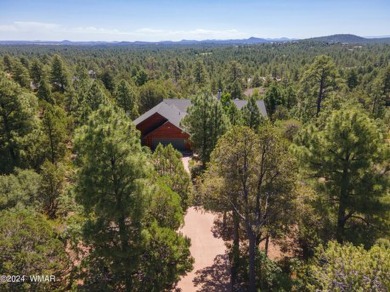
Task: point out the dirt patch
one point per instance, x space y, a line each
207 251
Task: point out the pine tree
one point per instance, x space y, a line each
58 75
251 114
115 185
30 245
205 122
36 72
253 176
318 81
273 99
127 99
350 268
54 123
52 186
21 75
112 184
44 92
347 157
168 164
20 189
18 122
200 74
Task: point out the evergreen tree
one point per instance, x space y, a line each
251 114
20 189
127 99
350 268
29 245
234 83
253 175
108 80
151 94
54 123
352 79
52 185
18 122
36 72
8 63
200 74
58 75
20 75
114 186
273 99
206 122
346 157
318 81
44 92
168 164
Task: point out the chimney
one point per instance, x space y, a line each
219 94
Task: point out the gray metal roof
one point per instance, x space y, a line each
174 110
169 111
240 103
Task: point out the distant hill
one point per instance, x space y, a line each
348 39
332 39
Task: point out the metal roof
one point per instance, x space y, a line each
174 110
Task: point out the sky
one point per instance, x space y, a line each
152 20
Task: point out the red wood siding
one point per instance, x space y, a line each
166 131
151 123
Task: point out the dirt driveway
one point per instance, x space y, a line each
211 267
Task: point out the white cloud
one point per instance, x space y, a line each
28 30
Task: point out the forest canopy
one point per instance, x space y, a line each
77 186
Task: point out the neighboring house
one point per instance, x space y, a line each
161 124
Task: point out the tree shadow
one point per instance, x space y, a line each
215 278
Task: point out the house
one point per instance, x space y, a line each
161 124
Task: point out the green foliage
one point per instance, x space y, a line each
165 206
44 92
21 75
151 93
52 185
20 189
36 72
200 74
317 83
18 125
112 186
29 245
127 99
166 257
58 75
8 63
347 157
206 122
108 80
167 162
253 176
273 99
350 268
234 83
115 187
251 115
54 124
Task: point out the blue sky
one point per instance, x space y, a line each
151 20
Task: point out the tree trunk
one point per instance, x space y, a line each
125 250
252 260
320 95
266 245
341 216
235 265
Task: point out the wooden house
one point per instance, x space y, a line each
161 124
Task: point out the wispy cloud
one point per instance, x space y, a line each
52 31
